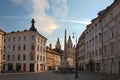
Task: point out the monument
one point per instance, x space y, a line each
65 67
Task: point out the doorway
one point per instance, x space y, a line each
10 67
31 67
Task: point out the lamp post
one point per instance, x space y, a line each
76 56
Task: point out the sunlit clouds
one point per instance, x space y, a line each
84 21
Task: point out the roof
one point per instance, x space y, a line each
54 51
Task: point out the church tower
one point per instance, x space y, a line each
69 44
58 45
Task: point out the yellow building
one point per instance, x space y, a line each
53 59
1 50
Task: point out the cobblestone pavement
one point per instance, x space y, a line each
58 76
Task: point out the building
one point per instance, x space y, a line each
93 56
110 23
1 50
70 50
102 41
25 50
81 52
53 59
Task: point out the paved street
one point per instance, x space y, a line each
58 76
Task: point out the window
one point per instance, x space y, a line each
33 37
37 57
100 51
32 47
24 47
95 39
13 57
18 47
43 58
112 48
41 41
38 48
40 58
68 46
19 38
13 47
32 55
96 53
9 39
14 39
24 57
92 53
41 49
44 42
96 27
100 37
112 32
8 57
24 38
18 57
105 50
38 40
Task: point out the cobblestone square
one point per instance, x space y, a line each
58 76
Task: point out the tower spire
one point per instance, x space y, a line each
65 46
32 28
58 45
65 41
69 40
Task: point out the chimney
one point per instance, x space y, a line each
50 46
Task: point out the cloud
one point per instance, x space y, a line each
59 7
85 21
45 22
38 9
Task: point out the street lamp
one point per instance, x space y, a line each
76 56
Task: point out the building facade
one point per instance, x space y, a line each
70 50
102 41
25 50
110 23
81 52
53 59
93 56
1 50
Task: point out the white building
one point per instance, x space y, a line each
81 52
110 22
25 50
93 56
102 41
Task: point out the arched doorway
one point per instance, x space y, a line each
91 65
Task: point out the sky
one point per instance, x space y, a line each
52 17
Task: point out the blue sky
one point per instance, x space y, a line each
52 16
